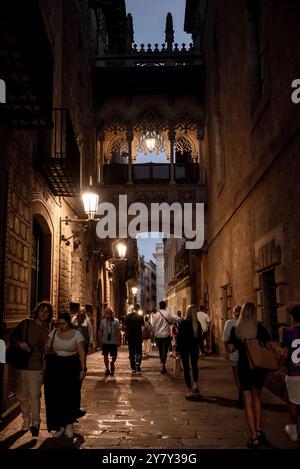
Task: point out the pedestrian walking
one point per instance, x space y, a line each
147 331
291 355
189 343
233 356
204 320
251 380
161 328
31 336
134 323
110 340
83 324
65 368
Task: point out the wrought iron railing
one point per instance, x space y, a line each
58 155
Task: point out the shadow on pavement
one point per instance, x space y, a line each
63 443
8 442
225 402
29 445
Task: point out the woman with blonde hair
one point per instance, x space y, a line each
189 340
251 380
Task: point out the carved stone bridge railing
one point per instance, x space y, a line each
152 56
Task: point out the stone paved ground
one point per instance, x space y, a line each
150 411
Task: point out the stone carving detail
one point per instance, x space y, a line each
115 122
184 145
118 146
151 120
186 123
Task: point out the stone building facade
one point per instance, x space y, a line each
48 145
160 273
183 268
150 293
251 152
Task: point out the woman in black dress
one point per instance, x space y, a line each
189 340
65 369
251 380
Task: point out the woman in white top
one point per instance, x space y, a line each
65 369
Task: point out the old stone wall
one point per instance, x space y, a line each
252 159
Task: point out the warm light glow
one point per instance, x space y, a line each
140 312
121 248
90 203
134 290
150 143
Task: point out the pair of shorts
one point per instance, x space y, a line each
110 349
293 388
250 379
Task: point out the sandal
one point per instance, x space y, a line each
261 436
253 443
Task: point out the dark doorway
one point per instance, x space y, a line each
40 261
269 303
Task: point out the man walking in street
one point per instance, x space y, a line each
31 335
110 339
161 327
134 323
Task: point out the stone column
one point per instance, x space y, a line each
129 137
100 175
172 154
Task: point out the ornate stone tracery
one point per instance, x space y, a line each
150 119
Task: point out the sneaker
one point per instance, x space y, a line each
35 430
59 432
292 432
69 430
138 369
107 372
163 370
133 372
25 427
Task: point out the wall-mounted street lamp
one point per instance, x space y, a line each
134 292
90 204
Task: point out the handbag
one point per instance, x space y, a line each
50 352
177 366
261 355
17 357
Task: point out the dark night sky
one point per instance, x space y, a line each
149 19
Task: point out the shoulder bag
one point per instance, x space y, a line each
261 355
51 353
17 357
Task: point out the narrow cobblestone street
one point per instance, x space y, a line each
150 411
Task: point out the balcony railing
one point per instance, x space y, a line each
58 155
151 173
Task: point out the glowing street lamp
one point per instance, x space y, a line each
121 248
90 203
150 143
